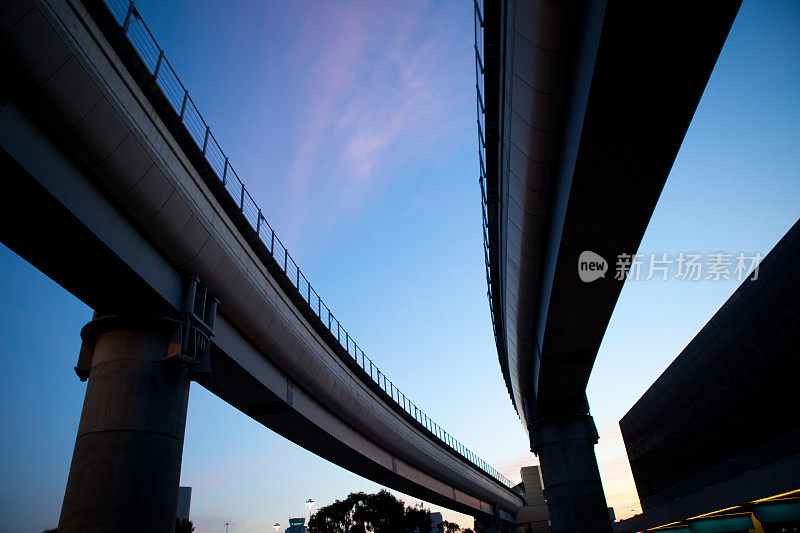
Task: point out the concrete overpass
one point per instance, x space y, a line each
116 188
582 108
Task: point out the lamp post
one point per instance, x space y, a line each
309 504
276 526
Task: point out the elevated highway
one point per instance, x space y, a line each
115 187
582 108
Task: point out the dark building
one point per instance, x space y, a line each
296 525
720 428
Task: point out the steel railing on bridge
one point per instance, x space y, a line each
152 55
481 119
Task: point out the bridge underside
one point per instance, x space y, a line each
587 104
588 122
242 376
104 199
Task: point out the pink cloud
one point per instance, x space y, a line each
335 58
375 91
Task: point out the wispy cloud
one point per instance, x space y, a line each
332 63
375 82
392 104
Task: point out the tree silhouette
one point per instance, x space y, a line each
381 513
336 517
183 526
418 519
449 527
370 513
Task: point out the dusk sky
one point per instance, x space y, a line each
353 126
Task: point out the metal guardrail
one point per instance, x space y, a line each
152 55
481 119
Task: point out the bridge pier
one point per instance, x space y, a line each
575 498
126 465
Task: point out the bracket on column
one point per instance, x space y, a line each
84 366
191 346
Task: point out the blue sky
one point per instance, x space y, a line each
353 125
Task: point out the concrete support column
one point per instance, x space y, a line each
575 498
126 465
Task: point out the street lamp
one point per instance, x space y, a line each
276 526
309 504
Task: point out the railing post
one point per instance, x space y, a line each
224 171
205 140
478 14
128 16
185 99
329 319
478 59
241 201
258 223
158 65
272 244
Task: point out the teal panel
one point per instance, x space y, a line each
724 524
777 512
